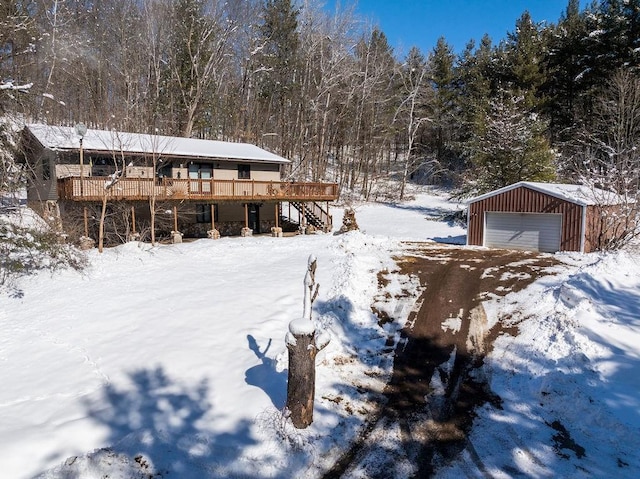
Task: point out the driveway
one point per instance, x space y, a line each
436 382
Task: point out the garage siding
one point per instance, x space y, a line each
526 200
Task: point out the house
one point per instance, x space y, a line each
194 186
542 217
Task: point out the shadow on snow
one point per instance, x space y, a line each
157 428
265 376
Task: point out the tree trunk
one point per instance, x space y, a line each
103 213
302 379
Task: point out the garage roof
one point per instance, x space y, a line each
579 194
65 138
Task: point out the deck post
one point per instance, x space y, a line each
327 223
213 233
86 223
176 236
175 218
276 230
133 219
246 231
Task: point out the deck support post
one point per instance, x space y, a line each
175 218
86 223
276 230
213 233
133 220
246 231
176 236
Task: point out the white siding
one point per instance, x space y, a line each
523 231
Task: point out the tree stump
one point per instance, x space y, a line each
301 381
349 222
86 243
303 344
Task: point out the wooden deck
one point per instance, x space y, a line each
140 189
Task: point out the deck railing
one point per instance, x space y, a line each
136 189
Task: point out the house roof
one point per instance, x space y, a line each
579 194
65 138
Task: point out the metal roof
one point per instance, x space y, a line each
65 138
579 194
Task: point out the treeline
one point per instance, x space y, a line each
550 101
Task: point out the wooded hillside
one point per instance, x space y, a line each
554 101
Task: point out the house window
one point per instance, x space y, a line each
244 172
203 213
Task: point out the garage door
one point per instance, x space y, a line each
525 231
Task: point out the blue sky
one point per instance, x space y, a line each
420 23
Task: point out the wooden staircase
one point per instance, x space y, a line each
314 214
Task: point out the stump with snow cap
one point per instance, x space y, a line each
303 343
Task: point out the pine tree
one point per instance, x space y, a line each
566 63
524 57
510 148
199 43
441 133
16 28
475 82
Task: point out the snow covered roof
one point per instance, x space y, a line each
65 138
579 194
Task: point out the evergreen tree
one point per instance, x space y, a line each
441 132
279 66
199 44
566 62
524 60
16 29
510 148
475 81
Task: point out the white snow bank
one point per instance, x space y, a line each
569 380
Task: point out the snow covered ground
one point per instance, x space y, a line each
172 361
569 380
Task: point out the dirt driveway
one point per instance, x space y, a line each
436 385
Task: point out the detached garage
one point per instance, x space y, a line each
542 217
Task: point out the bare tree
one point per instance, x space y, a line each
200 43
156 147
413 77
118 149
606 156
